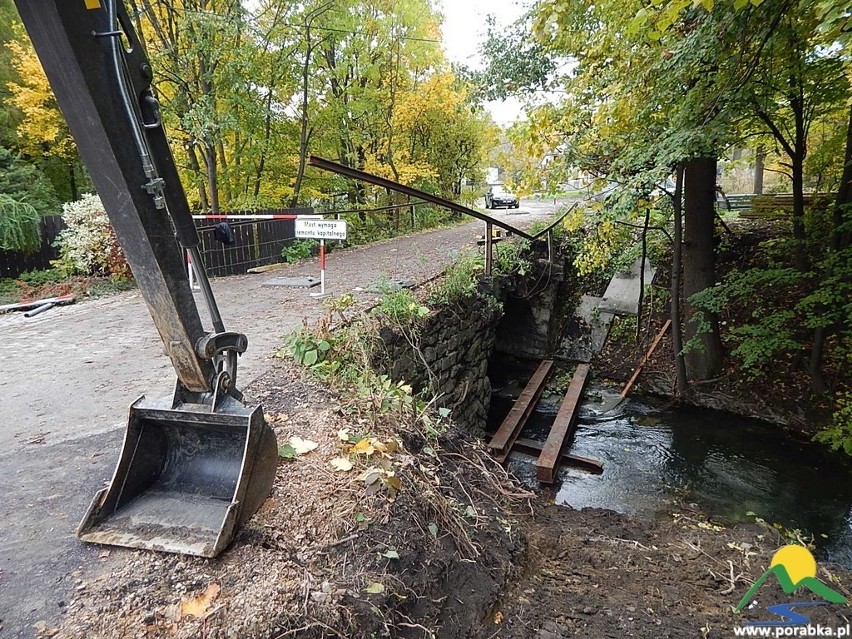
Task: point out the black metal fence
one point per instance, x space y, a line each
257 243
13 264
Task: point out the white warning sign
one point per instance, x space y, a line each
321 229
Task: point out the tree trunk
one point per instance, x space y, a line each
212 182
840 237
199 180
303 132
759 160
222 173
800 257
797 164
72 181
677 253
839 241
704 355
642 282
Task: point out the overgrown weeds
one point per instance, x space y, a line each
460 281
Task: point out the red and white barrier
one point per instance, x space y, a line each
249 217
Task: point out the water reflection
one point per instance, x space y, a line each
728 466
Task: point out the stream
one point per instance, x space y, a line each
732 468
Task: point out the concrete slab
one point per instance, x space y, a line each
594 331
622 294
389 285
600 330
298 282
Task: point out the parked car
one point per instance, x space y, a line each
496 196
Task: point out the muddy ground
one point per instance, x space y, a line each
593 573
462 551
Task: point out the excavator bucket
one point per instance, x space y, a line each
187 478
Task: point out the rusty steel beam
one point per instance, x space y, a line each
501 443
489 249
355 174
533 449
644 360
563 427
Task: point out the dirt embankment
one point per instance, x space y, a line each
333 552
459 551
597 574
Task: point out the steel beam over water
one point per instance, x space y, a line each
501 443
355 174
563 427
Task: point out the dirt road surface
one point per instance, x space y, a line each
70 374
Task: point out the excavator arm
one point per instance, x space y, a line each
196 465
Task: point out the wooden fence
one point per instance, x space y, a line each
13 264
258 243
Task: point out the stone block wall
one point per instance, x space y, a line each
534 320
448 354
449 351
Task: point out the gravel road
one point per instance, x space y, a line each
70 374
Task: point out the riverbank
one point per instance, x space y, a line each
764 372
459 550
593 573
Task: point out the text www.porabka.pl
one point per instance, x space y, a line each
793 631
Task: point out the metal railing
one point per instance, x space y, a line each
490 222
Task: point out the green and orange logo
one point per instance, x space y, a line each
794 567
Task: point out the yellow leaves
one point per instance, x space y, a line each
574 220
342 464
436 96
364 447
302 446
368 446
198 606
43 125
381 474
597 248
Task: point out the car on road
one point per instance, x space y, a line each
496 196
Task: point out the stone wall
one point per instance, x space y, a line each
534 318
448 353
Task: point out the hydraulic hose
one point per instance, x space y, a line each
148 165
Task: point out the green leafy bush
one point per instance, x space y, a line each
39 278
24 182
305 348
9 291
772 332
760 343
460 280
511 258
298 250
839 434
400 306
